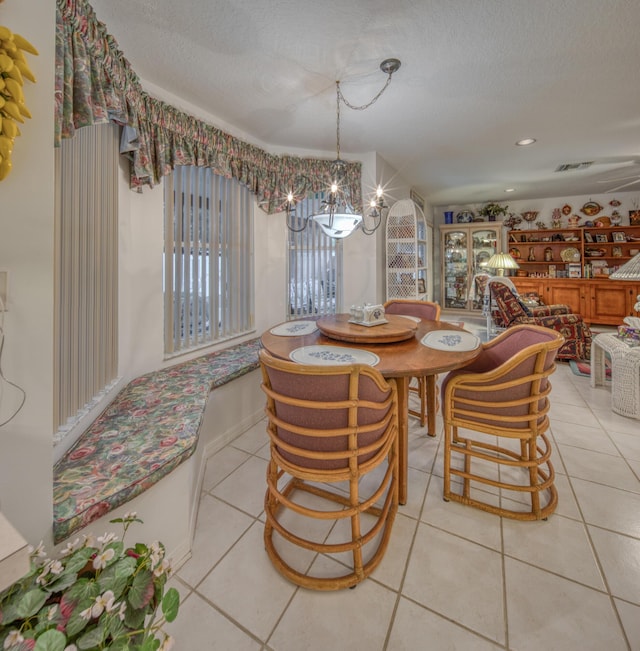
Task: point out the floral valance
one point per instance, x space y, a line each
95 84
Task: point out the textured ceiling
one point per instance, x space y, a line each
476 76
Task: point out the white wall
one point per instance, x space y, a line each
26 252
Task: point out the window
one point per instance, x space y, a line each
315 265
86 272
208 259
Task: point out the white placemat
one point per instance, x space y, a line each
450 340
294 328
332 356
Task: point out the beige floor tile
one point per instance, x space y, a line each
246 586
613 422
559 545
548 611
212 540
458 579
254 438
416 488
391 570
597 505
221 465
465 521
583 436
245 488
560 412
355 619
620 558
630 616
598 467
567 505
199 626
415 627
628 443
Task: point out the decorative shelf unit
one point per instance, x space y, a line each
465 250
593 251
406 243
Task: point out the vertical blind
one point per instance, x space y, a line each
208 259
86 271
315 265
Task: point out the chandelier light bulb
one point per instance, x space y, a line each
334 187
290 197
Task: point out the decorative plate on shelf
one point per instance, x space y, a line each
570 254
464 217
333 355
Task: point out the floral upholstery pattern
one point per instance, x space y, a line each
507 310
149 429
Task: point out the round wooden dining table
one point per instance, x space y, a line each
402 357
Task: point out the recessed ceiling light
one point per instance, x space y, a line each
525 141
510 190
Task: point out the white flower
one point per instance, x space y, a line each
52 612
101 559
130 515
165 566
121 612
71 547
71 647
86 613
102 602
107 538
56 567
89 540
13 639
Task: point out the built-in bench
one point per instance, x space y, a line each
148 430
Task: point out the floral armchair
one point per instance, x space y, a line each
507 309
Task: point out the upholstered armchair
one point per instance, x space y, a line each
329 428
495 413
508 310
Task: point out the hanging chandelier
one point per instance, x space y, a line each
337 217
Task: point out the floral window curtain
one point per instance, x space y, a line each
95 84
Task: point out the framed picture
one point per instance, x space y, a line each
422 287
619 237
601 237
417 199
617 251
587 237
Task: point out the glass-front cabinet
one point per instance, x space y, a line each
466 249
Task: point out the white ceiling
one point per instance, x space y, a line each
476 76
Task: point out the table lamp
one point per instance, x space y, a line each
500 262
629 270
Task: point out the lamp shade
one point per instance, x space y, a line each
339 225
628 271
500 262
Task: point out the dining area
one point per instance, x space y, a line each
339 401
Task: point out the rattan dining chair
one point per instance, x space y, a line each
495 413
422 310
330 427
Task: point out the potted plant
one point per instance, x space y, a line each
492 210
97 595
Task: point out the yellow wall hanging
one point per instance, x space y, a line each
14 69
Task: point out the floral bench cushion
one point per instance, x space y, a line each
148 430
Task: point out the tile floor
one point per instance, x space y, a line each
453 577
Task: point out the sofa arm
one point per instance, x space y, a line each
550 310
